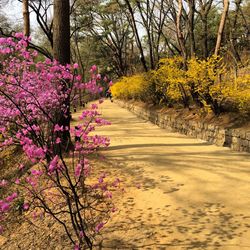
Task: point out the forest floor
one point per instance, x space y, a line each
180 192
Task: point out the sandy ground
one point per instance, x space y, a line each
182 193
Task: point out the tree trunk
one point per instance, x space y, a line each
151 50
233 35
221 26
205 37
205 7
191 4
26 18
145 13
61 31
137 37
61 52
179 32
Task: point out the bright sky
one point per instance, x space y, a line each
13 10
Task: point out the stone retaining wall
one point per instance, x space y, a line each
236 139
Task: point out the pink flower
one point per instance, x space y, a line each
94 106
36 172
93 68
14 195
100 89
81 234
35 53
86 170
47 61
26 206
58 128
76 247
31 181
104 187
100 180
75 66
116 182
53 163
108 194
58 140
78 78
19 35
98 77
99 227
21 167
3 183
7 142
4 207
78 170
10 198
33 152
17 181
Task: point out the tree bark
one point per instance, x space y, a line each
233 36
61 31
179 32
221 26
205 7
205 37
146 15
61 52
135 30
191 4
26 18
41 10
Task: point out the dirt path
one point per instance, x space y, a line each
192 196
180 193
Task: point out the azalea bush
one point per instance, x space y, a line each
33 97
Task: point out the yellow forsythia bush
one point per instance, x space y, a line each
169 77
204 74
240 93
131 87
203 77
201 81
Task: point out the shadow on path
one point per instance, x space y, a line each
192 195
205 227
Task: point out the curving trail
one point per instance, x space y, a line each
191 195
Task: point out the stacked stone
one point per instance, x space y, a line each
236 139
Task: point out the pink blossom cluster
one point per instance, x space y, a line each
32 92
5 204
84 131
33 97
